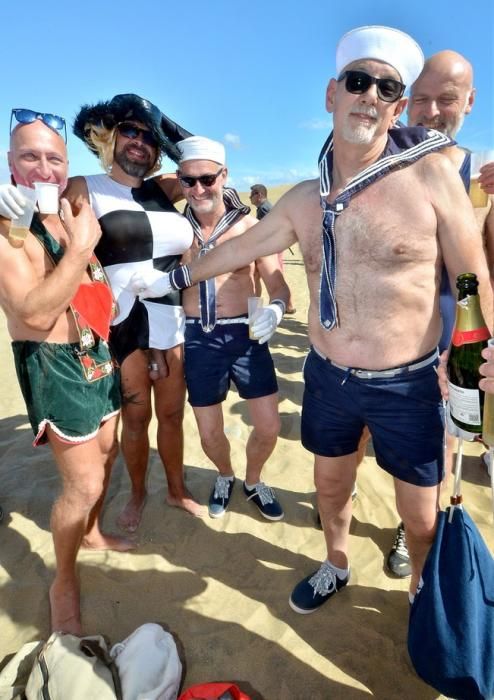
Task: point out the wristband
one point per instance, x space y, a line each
180 278
281 304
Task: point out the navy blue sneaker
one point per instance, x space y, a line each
220 496
314 590
265 499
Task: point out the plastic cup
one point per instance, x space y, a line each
47 196
19 228
478 196
254 305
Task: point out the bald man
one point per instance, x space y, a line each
67 378
440 98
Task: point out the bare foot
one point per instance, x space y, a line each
130 518
65 608
187 503
101 542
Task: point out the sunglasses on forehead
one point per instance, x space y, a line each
205 180
28 116
357 82
130 131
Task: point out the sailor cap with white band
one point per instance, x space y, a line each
201 148
385 44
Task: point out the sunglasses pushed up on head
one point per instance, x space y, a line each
131 131
207 180
28 116
357 82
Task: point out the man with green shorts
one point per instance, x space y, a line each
58 308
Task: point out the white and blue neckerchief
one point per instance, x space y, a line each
405 146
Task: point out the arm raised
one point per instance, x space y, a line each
38 303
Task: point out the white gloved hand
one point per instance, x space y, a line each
149 284
12 202
454 430
267 321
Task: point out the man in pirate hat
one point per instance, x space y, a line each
218 349
58 307
392 210
141 230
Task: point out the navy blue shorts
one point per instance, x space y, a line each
404 415
213 360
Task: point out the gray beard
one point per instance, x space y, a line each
358 135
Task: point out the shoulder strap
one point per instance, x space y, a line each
92 647
51 246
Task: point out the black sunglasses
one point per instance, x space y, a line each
28 116
358 82
130 131
205 180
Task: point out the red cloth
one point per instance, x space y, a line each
94 303
212 691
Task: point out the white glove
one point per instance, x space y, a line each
453 429
12 202
149 284
267 321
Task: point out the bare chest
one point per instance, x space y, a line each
382 227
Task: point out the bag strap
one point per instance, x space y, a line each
91 647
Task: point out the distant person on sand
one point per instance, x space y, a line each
218 349
374 231
259 199
58 307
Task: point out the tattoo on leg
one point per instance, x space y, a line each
132 398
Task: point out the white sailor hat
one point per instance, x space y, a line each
384 44
201 148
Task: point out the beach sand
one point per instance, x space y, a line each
223 585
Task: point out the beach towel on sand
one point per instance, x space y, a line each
451 629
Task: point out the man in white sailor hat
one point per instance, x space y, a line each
392 211
218 349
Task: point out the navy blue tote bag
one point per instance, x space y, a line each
451 628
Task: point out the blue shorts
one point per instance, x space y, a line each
213 360
404 415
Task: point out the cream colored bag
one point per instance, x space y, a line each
74 668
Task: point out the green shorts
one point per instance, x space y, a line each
58 394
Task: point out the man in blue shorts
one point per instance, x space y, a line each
58 307
392 210
218 349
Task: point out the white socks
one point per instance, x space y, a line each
341 573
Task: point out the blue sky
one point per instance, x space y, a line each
252 75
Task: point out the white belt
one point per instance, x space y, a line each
222 321
381 373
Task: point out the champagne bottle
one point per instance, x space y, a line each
470 337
